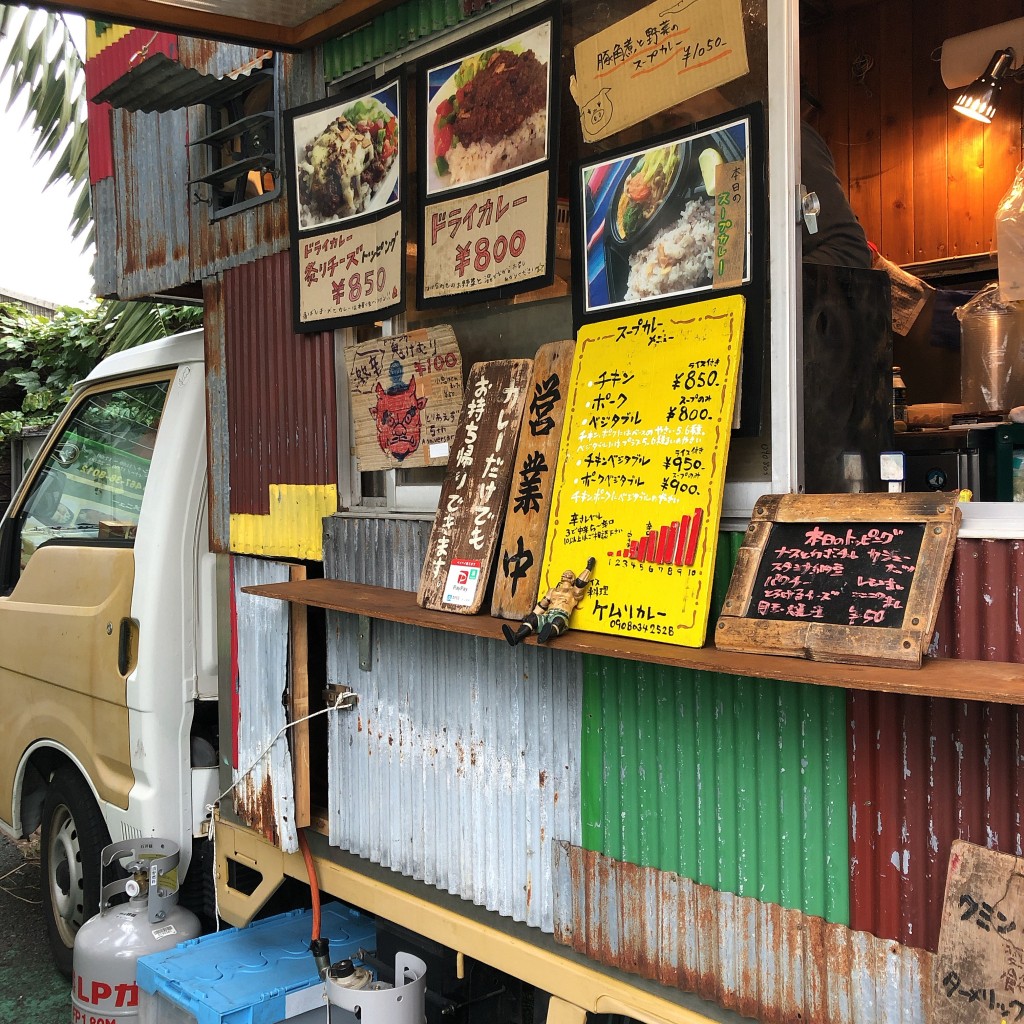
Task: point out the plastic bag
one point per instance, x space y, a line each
1010 239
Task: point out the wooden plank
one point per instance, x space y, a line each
930 103
955 679
847 578
517 578
980 958
896 153
464 537
865 192
833 122
298 704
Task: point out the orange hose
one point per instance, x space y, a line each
314 885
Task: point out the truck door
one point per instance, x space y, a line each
67 573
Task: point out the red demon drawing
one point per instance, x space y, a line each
397 415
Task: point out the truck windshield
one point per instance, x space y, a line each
91 484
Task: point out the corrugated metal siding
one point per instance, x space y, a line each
460 765
218 446
924 772
980 614
264 794
104 215
736 783
280 389
352 551
151 176
755 958
262 230
106 65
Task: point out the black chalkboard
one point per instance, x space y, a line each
852 578
848 574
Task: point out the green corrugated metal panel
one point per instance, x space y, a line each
391 32
733 782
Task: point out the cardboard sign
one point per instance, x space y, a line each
979 967
405 393
464 537
642 467
730 225
522 542
654 59
850 578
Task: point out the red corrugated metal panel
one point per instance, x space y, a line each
923 772
282 418
980 614
102 69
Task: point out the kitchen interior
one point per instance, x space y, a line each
926 182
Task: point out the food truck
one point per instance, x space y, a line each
513 371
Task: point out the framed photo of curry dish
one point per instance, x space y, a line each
345 202
678 219
487 129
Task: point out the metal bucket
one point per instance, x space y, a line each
991 353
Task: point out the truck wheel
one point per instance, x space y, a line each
73 836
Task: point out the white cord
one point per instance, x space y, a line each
212 807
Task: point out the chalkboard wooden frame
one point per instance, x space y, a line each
741 629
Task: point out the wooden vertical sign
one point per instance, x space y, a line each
522 544
465 533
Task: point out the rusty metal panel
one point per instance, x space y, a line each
925 771
353 546
756 958
104 216
460 765
264 796
280 389
261 230
980 614
217 431
151 176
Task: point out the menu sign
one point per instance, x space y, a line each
487 112
344 207
852 578
654 59
642 468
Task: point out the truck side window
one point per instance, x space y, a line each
91 483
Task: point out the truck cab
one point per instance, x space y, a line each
108 667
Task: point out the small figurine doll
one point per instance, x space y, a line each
550 615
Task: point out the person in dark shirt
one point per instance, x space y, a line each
839 240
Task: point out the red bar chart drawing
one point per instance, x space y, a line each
673 543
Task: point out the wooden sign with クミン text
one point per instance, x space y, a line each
979 966
848 578
464 537
522 543
405 392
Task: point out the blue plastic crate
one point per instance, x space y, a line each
245 975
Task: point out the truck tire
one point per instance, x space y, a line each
73 837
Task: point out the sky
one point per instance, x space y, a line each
38 258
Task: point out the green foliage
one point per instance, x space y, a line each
41 360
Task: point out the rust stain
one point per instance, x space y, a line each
256 807
543 778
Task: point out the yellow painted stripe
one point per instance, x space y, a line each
95 44
294 527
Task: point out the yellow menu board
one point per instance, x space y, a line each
641 468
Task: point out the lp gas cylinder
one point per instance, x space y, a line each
108 946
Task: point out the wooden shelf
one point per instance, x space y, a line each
1000 682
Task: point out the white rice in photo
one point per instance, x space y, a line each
482 159
678 258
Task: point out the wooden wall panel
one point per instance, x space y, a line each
924 182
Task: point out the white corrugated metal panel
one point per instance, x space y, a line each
759 959
460 765
353 549
264 795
